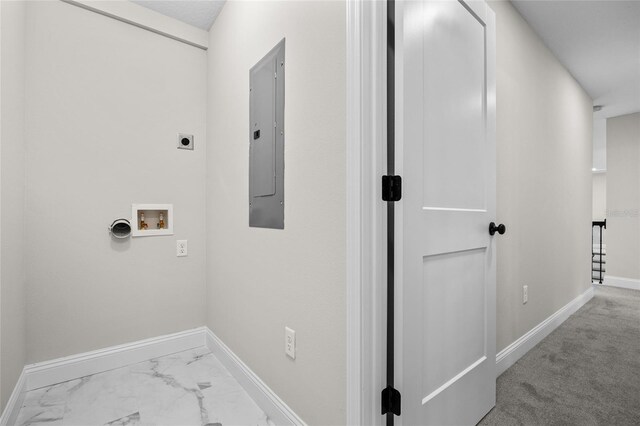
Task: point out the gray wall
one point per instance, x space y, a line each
599 196
600 144
261 280
623 196
544 145
104 103
12 198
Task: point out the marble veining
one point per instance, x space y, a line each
183 389
132 419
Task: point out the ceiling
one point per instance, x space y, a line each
597 40
599 43
199 13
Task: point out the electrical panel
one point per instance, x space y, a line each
266 141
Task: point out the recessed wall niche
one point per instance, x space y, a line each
151 219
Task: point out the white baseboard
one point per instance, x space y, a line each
512 353
630 283
11 410
72 367
279 412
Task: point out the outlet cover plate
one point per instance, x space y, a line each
290 342
182 248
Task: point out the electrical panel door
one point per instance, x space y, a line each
266 141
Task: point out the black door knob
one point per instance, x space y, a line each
500 228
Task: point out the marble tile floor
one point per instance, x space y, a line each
183 389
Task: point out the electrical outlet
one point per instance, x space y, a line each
181 248
525 294
290 342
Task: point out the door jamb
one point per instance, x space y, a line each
366 213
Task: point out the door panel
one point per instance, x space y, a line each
465 324
453 79
263 117
448 256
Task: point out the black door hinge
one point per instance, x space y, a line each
391 188
390 401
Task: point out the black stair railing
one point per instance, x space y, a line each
597 257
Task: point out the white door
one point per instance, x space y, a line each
447 114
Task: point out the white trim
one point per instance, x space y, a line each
146 19
354 213
72 367
512 353
622 282
12 409
279 412
366 49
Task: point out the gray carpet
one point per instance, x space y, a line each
587 372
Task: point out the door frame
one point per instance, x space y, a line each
366 212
